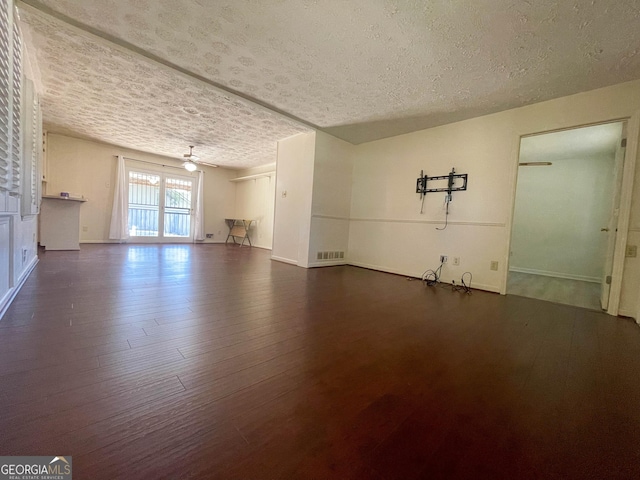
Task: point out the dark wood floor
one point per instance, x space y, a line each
211 361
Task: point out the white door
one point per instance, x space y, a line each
160 207
178 207
611 228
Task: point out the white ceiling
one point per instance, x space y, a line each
359 69
587 142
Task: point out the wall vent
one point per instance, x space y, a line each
334 255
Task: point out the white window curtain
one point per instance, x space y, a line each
199 213
119 228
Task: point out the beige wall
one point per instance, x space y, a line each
331 198
386 229
389 233
86 168
294 186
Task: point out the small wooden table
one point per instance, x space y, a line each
238 228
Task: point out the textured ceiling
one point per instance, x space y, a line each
99 91
598 140
368 69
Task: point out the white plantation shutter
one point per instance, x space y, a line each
20 122
16 116
5 93
32 148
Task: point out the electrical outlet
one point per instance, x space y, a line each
85 229
209 235
456 260
443 259
494 265
632 251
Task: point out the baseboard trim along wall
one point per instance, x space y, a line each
326 263
429 222
379 268
284 260
14 291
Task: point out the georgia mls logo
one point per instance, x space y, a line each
62 460
35 468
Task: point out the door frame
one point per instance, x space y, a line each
624 217
161 239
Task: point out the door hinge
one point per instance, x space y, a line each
608 280
623 143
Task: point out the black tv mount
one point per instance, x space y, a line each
421 183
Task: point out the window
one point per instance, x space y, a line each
160 205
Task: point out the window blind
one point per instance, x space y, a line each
5 91
16 117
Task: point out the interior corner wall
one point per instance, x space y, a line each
387 231
255 200
331 203
87 168
294 185
559 211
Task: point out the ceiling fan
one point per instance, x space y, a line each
190 164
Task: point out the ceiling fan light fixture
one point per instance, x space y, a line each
190 164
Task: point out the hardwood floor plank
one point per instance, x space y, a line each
208 361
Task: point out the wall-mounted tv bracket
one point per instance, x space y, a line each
421 183
421 188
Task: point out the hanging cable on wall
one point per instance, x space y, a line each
447 200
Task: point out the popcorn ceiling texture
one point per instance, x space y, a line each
365 69
106 93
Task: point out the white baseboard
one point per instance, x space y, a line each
545 273
284 260
380 268
11 294
101 241
628 313
328 264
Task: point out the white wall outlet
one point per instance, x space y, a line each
632 251
209 235
85 228
456 260
494 265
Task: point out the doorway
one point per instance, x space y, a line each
160 206
565 215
